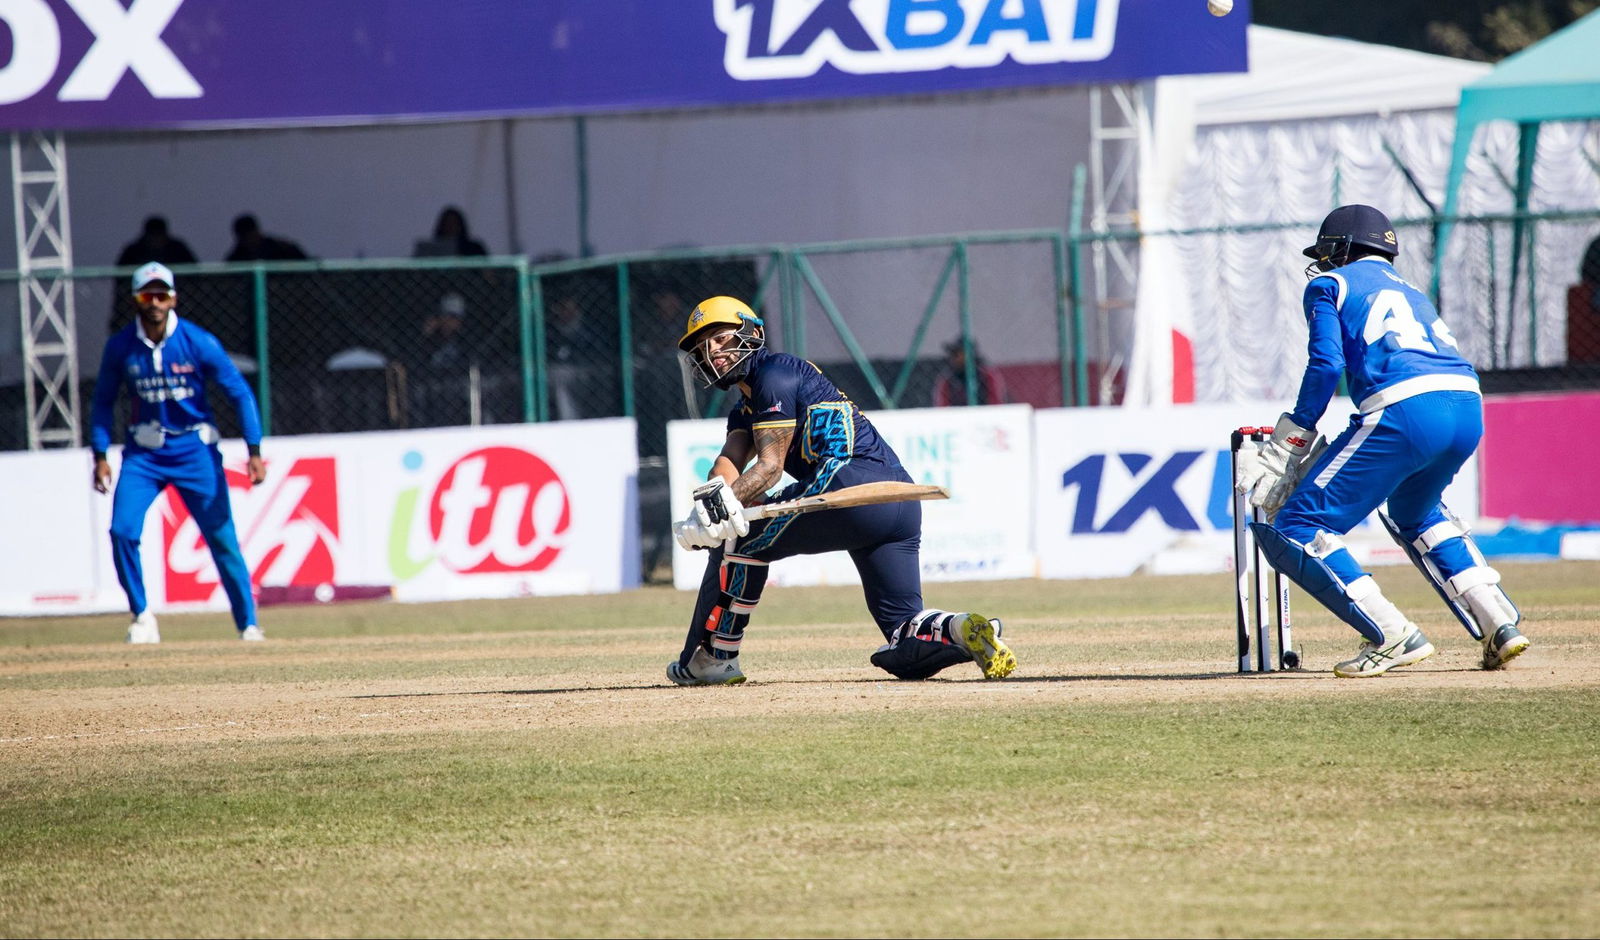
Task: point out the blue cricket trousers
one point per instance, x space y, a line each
1405 454
195 470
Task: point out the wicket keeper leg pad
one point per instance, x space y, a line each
1314 577
1430 566
912 658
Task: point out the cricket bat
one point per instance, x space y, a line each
865 494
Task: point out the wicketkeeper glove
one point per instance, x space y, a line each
1272 473
719 511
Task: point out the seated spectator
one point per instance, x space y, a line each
450 238
1583 309
950 388
442 338
251 244
439 365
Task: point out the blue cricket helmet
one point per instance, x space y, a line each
1344 229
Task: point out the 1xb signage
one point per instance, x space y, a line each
126 40
770 39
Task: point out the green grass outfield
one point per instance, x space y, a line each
523 768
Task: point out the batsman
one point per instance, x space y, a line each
791 417
1420 417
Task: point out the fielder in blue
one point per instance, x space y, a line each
790 417
1420 418
165 363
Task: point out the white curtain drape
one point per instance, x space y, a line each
1244 287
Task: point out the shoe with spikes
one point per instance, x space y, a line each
981 637
1375 659
705 669
1503 645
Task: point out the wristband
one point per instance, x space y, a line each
255 449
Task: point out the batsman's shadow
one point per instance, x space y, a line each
1280 675
560 691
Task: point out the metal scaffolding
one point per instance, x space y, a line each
44 259
1116 122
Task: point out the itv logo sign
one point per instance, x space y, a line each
768 39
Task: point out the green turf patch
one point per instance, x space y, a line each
1411 814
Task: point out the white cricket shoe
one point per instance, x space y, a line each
705 669
981 637
252 634
143 629
1503 645
1375 659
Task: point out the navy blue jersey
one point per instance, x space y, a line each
167 381
1383 334
830 432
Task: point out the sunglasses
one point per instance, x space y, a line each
151 296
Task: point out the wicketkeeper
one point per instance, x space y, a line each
1420 418
790 417
165 363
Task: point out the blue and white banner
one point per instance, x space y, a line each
1125 490
210 63
983 456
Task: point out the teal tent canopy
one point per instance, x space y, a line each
1555 79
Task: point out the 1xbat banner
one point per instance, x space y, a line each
1125 490
212 63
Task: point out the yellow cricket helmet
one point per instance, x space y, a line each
711 317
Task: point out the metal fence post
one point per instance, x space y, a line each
1080 375
263 357
530 339
1058 255
964 310
625 338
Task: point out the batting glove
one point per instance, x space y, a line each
691 535
719 511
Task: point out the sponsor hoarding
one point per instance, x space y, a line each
199 63
1533 454
983 456
426 515
1125 490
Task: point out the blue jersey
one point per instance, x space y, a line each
830 432
1383 334
167 381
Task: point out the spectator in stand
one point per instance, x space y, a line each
1583 309
450 238
439 367
950 388
155 243
251 244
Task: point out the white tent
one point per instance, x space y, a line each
1316 122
